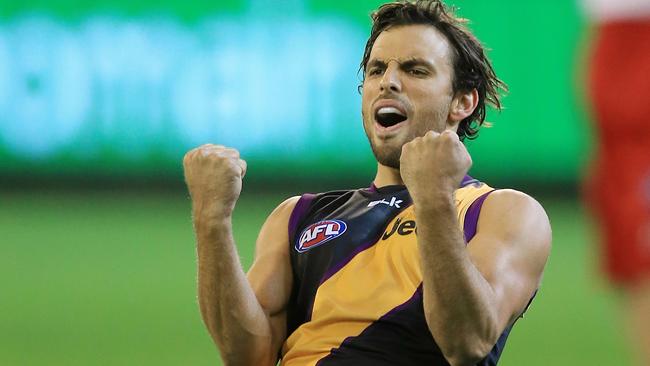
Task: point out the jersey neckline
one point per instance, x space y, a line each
398 187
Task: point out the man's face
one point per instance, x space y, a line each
407 89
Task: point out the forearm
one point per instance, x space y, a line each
229 307
458 301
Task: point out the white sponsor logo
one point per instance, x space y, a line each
394 202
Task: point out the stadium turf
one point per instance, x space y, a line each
109 279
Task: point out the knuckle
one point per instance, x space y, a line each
190 156
452 135
431 134
447 138
206 146
232 152
233 167
203 150
187 157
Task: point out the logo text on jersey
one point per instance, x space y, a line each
394 202
320 233
402 228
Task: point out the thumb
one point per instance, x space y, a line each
243 165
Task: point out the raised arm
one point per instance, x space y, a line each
471 293
245 316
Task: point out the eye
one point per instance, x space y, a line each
417 72
375 71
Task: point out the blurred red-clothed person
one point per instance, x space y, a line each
618 185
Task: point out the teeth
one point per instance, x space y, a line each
386 110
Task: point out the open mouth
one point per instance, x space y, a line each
389 116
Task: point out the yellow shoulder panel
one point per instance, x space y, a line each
464 198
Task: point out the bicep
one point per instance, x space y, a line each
270 275
510 249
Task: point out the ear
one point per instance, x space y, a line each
462 106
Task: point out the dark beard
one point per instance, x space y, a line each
387 157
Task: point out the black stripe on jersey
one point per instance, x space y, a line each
365 225
402 334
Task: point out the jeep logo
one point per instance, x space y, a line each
401 228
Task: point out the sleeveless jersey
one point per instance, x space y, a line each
357 293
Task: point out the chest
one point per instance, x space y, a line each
337 230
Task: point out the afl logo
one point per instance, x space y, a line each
320 233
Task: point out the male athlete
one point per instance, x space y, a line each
427 266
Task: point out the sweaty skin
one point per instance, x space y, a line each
471 292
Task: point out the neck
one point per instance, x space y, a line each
387 176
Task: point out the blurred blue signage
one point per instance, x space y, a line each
132 86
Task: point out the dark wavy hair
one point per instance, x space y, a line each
472 68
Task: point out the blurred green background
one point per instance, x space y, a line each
123 89
99 101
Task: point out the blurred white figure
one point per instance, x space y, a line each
618 188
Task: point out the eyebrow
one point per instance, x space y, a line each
408 63
416 61
375 62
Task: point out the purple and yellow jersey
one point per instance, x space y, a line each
357 295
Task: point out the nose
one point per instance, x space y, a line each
390 80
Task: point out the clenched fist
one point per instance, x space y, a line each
213 174
434 164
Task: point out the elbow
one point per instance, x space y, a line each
243 348
467 355
467 350
247 357
468 345
238 360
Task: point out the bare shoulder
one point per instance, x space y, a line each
270 274
510 198
289 203
284 209
514 214
274 233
